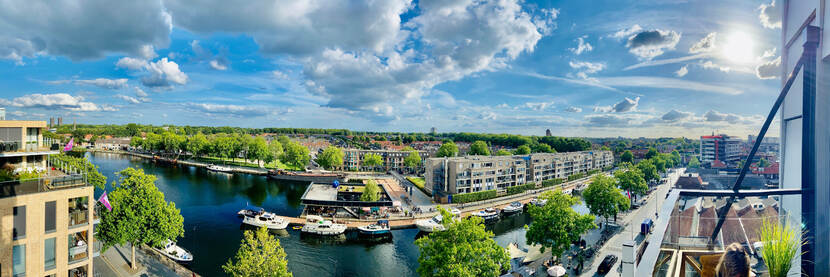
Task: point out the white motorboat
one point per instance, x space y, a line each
219 168
315 224
488 214
175 252
538 202
267 220
431 225
514 207
379 228
250 212
456 213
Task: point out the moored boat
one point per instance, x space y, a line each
175 252
267 220
315 224
249 212
538 202
433 224
219 168
379 228
514 207
488 214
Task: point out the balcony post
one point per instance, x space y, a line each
808 155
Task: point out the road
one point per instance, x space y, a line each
632 221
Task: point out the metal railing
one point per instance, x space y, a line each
43 184
45 144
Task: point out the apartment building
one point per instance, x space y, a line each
45 222
719 150
448 176
392 159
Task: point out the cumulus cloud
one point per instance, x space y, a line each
715 116
647 44
626 105
131 63
682 71
769 70
104 83
770 15
130 99
81 30
706 44
233 110
608 120
140 92
59 101
573 109
162 73
587 67
675 116
582 46
538 106
219 64
279 75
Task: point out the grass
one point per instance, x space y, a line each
354 188
781 244
419 182
243 163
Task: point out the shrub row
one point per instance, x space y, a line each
552 182
419 183
593 171
576 176
474 196
521 188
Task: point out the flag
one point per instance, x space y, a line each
629 194
104 200
68 146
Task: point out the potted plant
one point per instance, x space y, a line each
780 245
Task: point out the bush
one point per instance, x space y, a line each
521 188
419 183
552 182
593 171
576 176
474 196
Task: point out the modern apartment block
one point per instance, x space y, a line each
448 176
719 150
392 159
46 222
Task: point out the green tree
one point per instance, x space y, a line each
259 255
139 215
659 163
523 150
479 148
413 160
136 141
627 157
675 157
132 129
372 160
464 249
652 152
295 154
556 225
274 151
258 150
694 162
648 170
603 197
331 158
197 144
371 192
503 152
448 149
631 179
542 148
763 163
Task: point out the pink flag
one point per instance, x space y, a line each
104 200
68 146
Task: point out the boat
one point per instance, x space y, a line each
250 212
488 214
514 207
315 224
219 168
431 225
267 220
456 213
379 228
317 177
175 252
538 202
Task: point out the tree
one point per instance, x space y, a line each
675 157
136 141
197 144
649 170
274 151
763 163
659 163
503 152
464 249
448 149
479 148
332 157
631 179
542 148
132 129
372 160
603 197
257 150
627 157
139 215
694 162
413 160
259 254
295 154
371 192
523 150
556 225
652 152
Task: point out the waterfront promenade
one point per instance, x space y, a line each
115 263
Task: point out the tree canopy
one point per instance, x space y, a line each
631 179
652 152
295 154
556 225
523 150
464 249
412 160
331 158
503 152
627 157
694 163
649 170
603 197
479 148
448 149
259 255
371 192
372 160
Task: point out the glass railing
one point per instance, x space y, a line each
13 188
78 245
45 144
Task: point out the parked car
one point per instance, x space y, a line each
606 265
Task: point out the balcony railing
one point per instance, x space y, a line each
78 246
43 184
45 144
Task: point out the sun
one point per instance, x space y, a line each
739 48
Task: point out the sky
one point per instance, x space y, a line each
579 68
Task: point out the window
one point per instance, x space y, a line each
19 229
19 260
78 211
50 216
49 254
77 246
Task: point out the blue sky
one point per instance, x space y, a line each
580 68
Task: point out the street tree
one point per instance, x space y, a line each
257 150
371 192
649 170
603 197
479 147
259 255
523 150
676 159
274 151
372 160
295 154
139 215
448 149
763 163
659 163
627 157
694 163
631 179
464 249
413 160
556 225
331 158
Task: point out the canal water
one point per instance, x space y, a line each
209 202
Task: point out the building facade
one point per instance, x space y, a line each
46 223
715 150
392 159
448 176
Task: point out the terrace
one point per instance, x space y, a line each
55 176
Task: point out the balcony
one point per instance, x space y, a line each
50 181
16 148
78 246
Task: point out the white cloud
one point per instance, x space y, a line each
587 67
682 71
712 65
675 116
130 99
140 92
582 46
58 101
147 52
647 44
770 15
218 65
131 63
706 44
625 33
104 83
231 110
538 106
163 73
667 61
608 120
279 75
715 116
573 109
769 69
626 105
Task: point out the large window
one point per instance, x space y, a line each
19 229
19 260
49 254
49 216
78 211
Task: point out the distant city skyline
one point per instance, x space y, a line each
588 69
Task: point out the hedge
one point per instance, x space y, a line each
576 176
521 188
593 171
552 182
419 183
474 196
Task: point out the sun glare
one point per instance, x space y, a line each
739 48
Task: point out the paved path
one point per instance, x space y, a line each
115 263
419 198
